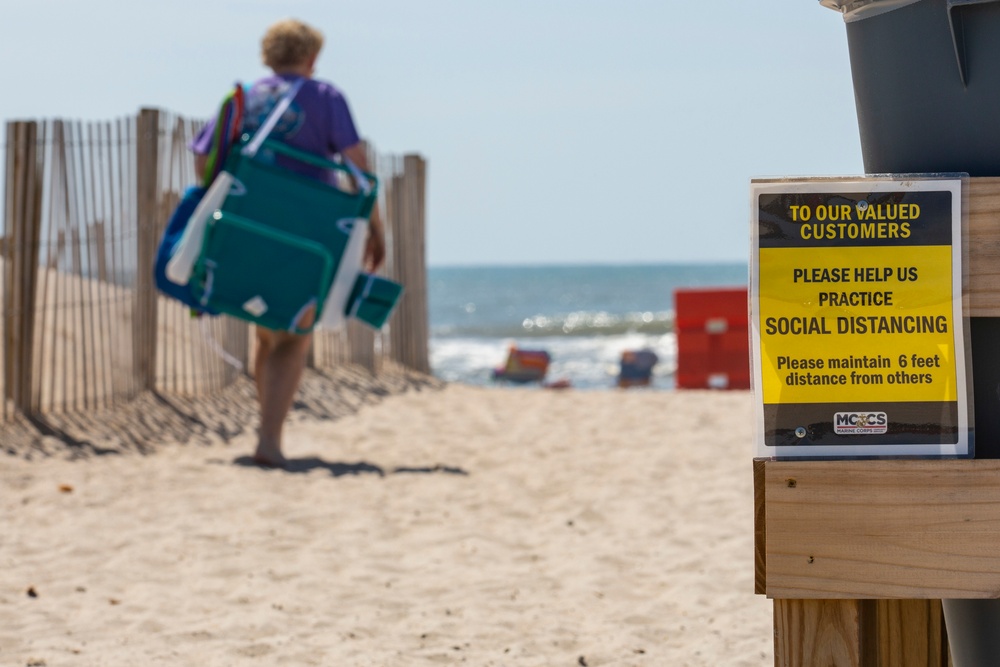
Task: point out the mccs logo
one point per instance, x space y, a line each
851 423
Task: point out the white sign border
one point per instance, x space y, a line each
834 185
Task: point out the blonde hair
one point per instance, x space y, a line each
290 43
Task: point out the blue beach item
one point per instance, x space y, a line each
637 368
168 243
227 130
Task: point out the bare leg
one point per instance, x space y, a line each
279 363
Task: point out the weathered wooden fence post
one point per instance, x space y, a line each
144 323
23 215
361 345
408 328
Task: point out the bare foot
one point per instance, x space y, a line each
269 456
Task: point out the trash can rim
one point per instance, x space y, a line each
856 10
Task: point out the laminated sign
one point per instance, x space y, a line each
856 318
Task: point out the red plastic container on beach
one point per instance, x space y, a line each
713 345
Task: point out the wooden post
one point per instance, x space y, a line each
361 345
835 626
858 554
144 323
237 341
23 213
860 633
100 240
908 632
862 552
818 632
408 328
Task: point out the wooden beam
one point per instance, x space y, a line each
893 529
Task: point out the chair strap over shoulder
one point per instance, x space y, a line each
272 119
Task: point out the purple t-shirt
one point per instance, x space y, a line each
317 121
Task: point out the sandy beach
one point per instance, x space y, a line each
419 524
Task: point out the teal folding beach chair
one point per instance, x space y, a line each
271 252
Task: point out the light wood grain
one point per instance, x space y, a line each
23 214
817 632
759 528
144 326
984 247
910 633
860 633
882 529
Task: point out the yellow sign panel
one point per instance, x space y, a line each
821 310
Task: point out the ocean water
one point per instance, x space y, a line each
583 316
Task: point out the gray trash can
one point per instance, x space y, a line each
972 632
926 83
927 89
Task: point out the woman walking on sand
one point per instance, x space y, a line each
318 121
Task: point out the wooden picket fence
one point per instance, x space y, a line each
85 204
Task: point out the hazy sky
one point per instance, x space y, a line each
556 131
